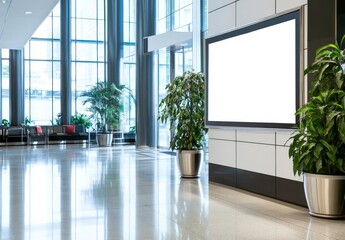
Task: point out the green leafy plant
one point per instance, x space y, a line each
132 130
5 123
106 102
27 121
57 120
318 146
81 119
184 108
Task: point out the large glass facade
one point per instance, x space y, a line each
88 59
128 61
5 84
88 56
172 15
163 78
88 48
42 71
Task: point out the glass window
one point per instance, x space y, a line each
39 91
42 71
42 59
100 30
172 15
87 48
56 50
40 49
128 61
5 82
86 51
86 9
86 29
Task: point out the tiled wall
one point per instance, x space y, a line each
262 151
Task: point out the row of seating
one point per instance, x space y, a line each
22 135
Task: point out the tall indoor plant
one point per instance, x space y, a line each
318 146
105 103
184 108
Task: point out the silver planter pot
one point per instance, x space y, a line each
190 162
104 139
325 195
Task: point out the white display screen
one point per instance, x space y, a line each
252 75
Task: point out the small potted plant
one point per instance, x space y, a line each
27 121
318 146
105 103
81 119
5 123
184 108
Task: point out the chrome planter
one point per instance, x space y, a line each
325 195
104 139
190 162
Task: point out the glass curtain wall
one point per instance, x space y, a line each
42 60
5 82
42 71
88 48
128 61
173 15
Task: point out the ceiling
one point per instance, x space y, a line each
19 19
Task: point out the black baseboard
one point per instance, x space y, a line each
256 182
278 188
223 175
290 191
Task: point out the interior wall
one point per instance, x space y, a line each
261 151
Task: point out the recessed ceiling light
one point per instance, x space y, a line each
28 12
4 1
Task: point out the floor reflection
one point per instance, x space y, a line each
80 192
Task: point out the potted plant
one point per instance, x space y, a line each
318 146
105 103
27 121
57 120
81 119
184 108
5 123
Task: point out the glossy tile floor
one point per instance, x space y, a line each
81 192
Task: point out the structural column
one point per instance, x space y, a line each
145 99
114 40
16 87
66 76
325 25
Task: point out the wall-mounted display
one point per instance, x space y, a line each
253 74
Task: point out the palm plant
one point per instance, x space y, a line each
106 104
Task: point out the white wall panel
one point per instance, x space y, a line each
222 20
222 134
256 158
249 11
283 137
267 137
285 5
285 166
222 152
215 4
